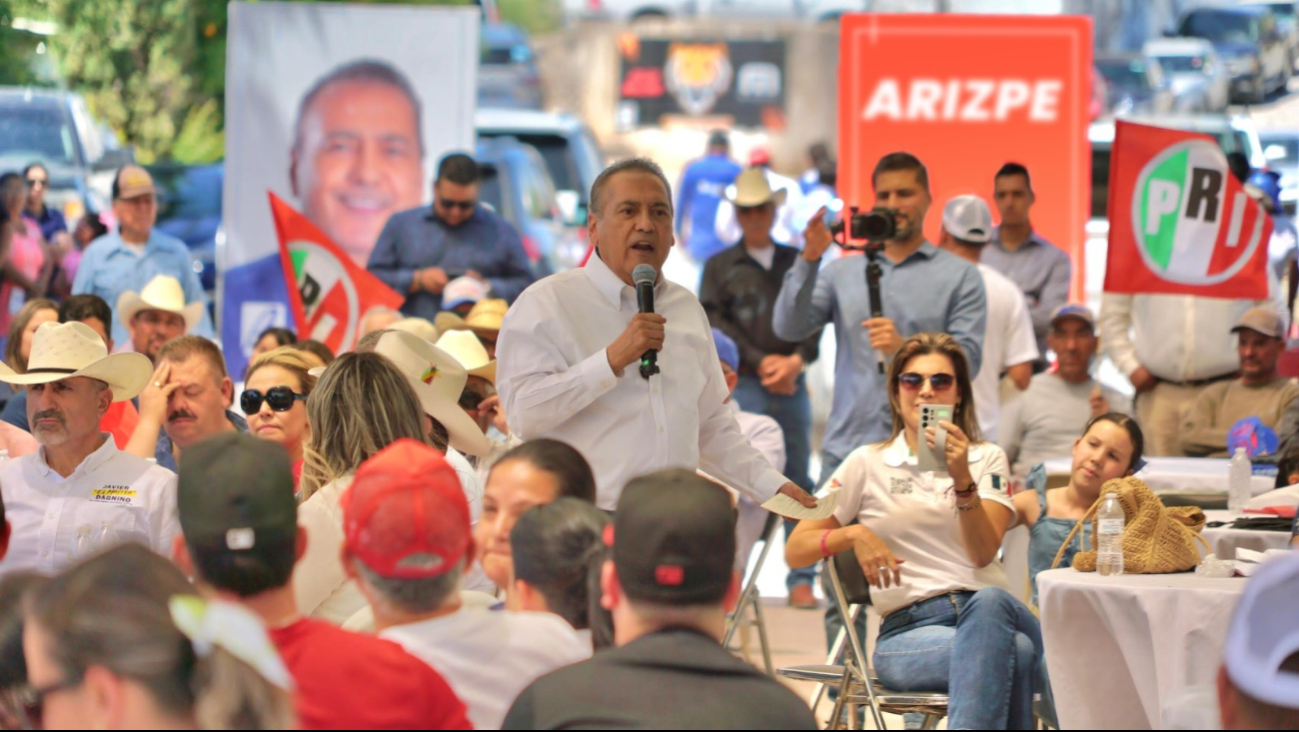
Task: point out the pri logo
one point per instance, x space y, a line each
329 296
1192 223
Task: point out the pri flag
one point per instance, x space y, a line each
328 294
1180 222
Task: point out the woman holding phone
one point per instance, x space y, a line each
927 542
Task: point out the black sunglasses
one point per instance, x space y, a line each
940 382
462 205
281 399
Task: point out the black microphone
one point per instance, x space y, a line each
644 276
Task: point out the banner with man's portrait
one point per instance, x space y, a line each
342 112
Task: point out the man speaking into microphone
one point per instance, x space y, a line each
574 359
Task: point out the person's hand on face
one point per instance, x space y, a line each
157 393
357 162
491 409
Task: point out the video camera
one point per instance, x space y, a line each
875 227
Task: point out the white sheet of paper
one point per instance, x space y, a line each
792 509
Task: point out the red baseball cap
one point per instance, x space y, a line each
759 156
405 515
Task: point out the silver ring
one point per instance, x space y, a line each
158 384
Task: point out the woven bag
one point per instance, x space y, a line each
1156 539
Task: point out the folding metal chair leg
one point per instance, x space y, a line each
832 658
931 721
854 643
837 710
762 638
749 594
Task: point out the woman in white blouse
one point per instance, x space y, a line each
928 543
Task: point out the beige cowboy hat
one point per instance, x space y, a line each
752 189
438 380
65 350
162 293
417 327
469 351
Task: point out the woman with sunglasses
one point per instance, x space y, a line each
928 542
274 399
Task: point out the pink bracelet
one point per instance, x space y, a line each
825 551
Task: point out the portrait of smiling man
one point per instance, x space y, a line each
568 348
357 153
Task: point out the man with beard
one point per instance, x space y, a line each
78 493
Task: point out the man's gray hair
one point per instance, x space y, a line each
364 71
637 165
413 596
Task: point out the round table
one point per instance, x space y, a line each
1180 475
1118 649
1225 541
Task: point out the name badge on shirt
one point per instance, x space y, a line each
901 486
118 494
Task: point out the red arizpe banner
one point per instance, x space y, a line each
328 294
1180 222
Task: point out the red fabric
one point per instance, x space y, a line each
120 421
352 681
297 473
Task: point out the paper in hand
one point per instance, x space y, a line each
792 509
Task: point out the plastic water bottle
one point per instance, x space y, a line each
1109 535
108 538
1238 493
85 544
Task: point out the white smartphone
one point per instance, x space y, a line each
930 416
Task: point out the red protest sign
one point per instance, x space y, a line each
1180 222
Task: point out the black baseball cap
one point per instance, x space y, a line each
235 494
673 539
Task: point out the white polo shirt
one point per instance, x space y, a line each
133 496
915 514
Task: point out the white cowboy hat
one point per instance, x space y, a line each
162 293
65 350
469 351
438 380
752 189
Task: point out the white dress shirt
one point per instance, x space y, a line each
555 381
134 497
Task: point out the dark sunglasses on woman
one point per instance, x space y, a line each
281 399
940 382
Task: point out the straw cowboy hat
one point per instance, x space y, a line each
438 380
485 317
469 351
162 293
64 350
752 189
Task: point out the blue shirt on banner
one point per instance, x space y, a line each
702 188
109 268
930 291
256 297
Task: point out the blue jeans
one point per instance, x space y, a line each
982 648
794 415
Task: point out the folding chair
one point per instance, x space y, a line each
751 600
854 678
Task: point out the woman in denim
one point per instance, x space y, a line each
928 542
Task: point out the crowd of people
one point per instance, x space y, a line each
499 511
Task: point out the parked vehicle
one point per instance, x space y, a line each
56 129
507 69
566 144
190 210
1281 149
1136 83
1251 43
630 11
1288 23
1197 77
516 184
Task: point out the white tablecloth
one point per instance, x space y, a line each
1119 648
1180 474
1225 541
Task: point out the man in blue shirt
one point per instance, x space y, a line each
419 251
923 290
127 259
702 187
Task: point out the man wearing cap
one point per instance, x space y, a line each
241 541
571 345
669 584
1009 346
1039 268
1259 392
1046 420
479 399
461 294
739 290
791 212
1258 684
78 493
157 314
129 258
923 290
407 543
421 250
700 194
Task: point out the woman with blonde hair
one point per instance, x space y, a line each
120 641
276 386
360 405
927 542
